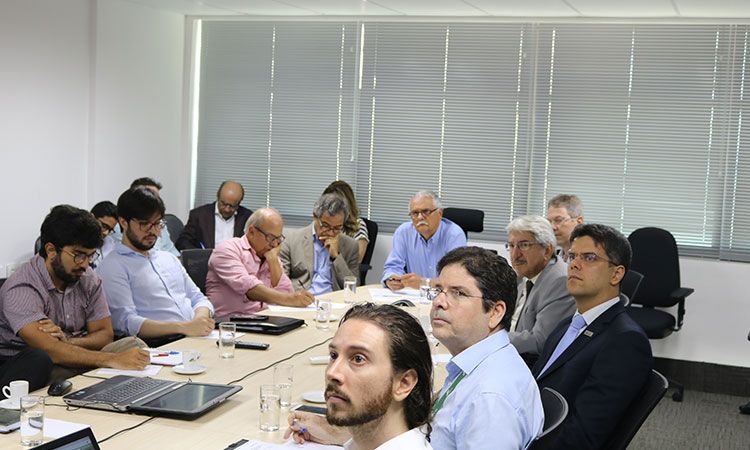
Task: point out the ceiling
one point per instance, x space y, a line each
674 9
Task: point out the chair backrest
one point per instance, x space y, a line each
195 261
372 235
655 256
2 281
555 411
629 285
37 245
174 225
638 411
468 219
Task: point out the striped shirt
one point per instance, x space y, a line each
362 231
29 295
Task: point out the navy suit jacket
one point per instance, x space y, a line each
599 375
201 227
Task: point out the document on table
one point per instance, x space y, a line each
215 335
54 428
311 307
258 445
384 295
149 371
165 357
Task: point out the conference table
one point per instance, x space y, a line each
237 417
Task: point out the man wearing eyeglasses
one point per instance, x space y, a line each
54 309
600 359
211 224
149 292
318 257
564 212
419 245
543 299
245 273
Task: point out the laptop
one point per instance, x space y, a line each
152 396
80 440
263 324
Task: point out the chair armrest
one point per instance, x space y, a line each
681 292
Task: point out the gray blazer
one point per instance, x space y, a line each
297 255
548 305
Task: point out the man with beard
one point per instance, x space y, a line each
148 291
378 384
54 309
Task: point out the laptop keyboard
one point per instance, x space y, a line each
124 391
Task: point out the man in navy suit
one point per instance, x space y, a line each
600 359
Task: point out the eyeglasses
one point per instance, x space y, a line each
523 245
105 227
270 238
225 205
81 258
557 221
585 257
452 295
146 226
327 227
421 212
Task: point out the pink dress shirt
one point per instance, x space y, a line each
233 269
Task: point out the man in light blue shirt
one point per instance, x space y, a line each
489 400
149 293
419 245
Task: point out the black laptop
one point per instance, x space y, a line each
263 324
152 396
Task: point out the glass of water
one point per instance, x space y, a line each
282 377
227 332
425 284
32 420
323 314
270 408
350 289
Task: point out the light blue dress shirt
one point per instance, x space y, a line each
140 288
495 406
321 281
163 242
410 250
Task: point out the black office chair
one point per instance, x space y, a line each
555 411
37 245
468 219
174 225
372 235
655 256
2 281
637 412
744 409
629 285
195 261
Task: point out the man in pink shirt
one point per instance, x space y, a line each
245 272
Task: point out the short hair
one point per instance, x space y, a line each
536 225
145 181
568 201
256 218
409 349
68 225
427 193
139 203
221 186
104 209
615 245
493 275
342 188
333 204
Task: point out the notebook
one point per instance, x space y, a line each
265 324
80 440
152 396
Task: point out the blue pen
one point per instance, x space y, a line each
301 428
201 243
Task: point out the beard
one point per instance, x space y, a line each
374 408
61 273
138 244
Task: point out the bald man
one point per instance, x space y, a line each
245 273
210 224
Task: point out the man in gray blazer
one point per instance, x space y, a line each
543 300
318 257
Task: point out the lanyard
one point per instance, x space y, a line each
439 404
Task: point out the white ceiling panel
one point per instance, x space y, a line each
432 7
723 8
266 7
187 7
344 7
526 8
629 8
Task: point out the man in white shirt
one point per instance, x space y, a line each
378 384
564 212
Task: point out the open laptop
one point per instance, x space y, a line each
263 324
80 440
125 393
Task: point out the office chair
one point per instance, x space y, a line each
195 261
637 412
174 225
629 285
2 281
744 409
555 411
468 219
37 245
655 256
364 266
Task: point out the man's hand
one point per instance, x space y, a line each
332 245
200 326
273 254
133 359
316 428
394 283
411 280
52 330
301 299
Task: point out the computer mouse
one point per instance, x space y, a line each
403 302
59 388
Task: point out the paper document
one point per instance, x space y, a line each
149 371
215 335
54 428
258 445
441 358
279 308
165 357
384 295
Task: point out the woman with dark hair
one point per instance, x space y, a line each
354 226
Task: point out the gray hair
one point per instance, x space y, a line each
570 202
536 225
256 218
427 193
333 204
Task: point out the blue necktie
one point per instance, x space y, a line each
570 335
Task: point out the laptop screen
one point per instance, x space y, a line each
80 440
188 397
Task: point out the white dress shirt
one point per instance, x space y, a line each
224 228
413 439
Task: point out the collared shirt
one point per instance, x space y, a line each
223 228
156 287
321 281
29 295
522 301
594 313
163 242
410 250
413 439
497 404
233 269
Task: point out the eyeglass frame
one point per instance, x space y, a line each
104 225
93 257
512 245
269 237
159 224
559 220
222 204
568 259
326 227
422 212
451 295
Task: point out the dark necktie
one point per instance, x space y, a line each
529 286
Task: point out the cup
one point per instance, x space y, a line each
227 332
15 390
425 284
323 314
270 408
190 360
32 420
282 377
350 289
